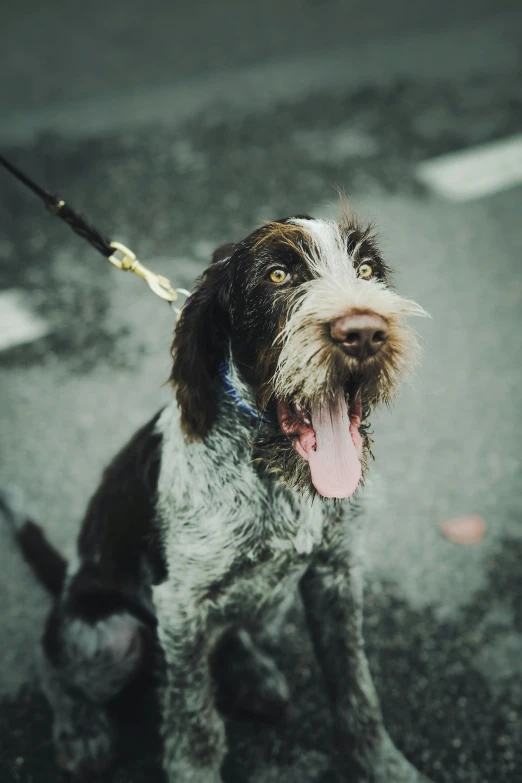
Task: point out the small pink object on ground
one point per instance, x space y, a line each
464 530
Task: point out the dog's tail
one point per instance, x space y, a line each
48 564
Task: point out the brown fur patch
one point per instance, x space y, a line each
283 233
199 340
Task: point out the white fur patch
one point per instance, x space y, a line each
333 293
217 513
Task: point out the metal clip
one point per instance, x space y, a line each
186 294
129 263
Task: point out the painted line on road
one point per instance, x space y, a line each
476 172
18 324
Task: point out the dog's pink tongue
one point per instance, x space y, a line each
334 465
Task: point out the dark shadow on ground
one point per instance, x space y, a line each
453 715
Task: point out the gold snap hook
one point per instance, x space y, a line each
127 262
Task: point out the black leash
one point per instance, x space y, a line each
119 255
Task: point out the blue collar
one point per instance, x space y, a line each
228 385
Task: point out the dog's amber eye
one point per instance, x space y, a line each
279 276
365 271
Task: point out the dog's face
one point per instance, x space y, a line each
317 334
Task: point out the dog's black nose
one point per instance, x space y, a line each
360 334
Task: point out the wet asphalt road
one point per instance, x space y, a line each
193 158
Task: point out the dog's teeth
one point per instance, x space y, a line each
298 407
307 421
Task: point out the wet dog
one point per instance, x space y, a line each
229 499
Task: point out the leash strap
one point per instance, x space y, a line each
124 259
119 255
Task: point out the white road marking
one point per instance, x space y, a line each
18 324
476 172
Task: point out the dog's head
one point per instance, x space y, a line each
305 309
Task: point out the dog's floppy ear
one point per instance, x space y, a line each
199 345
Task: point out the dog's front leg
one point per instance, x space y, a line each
332 594
193 732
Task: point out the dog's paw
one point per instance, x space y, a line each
375 762
395 768
86 750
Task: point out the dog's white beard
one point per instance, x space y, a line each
308 366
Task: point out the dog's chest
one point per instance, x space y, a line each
291 526
218 512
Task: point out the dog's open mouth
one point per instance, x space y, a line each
326 435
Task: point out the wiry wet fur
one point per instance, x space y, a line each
307 368
204 524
